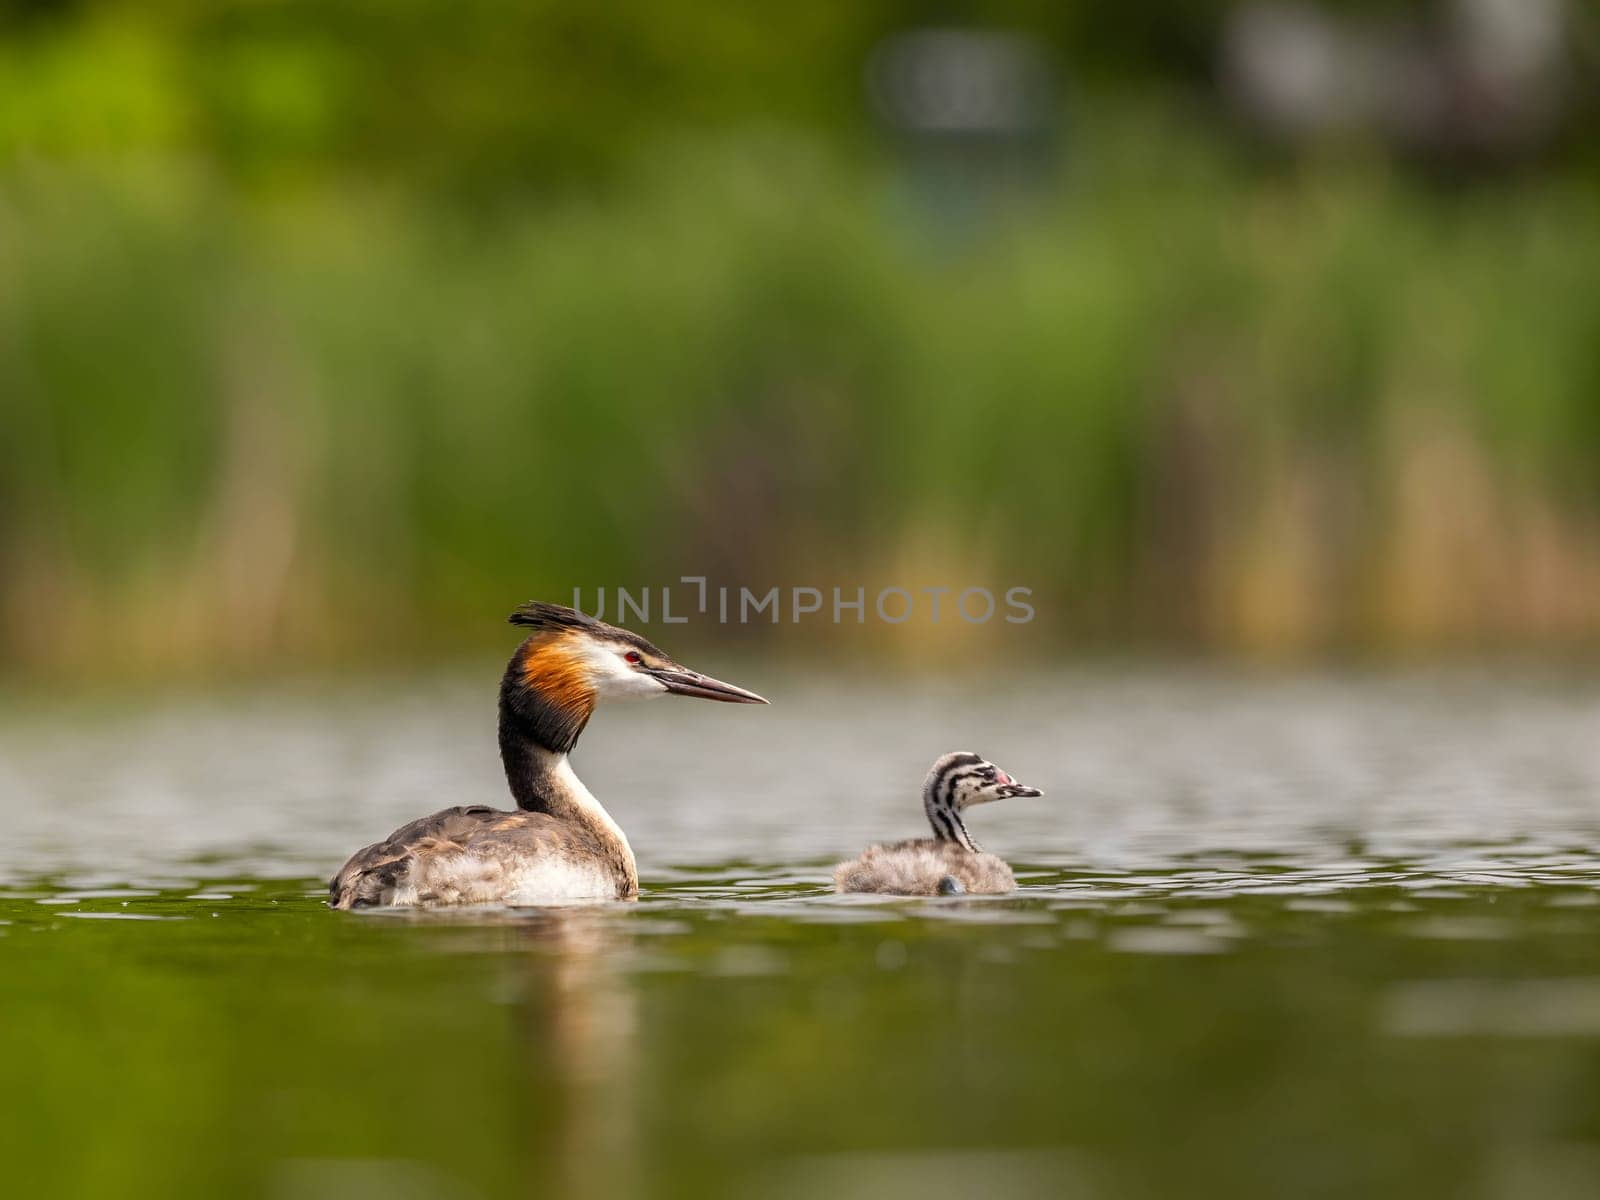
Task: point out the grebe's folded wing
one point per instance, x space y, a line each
376 870
474 855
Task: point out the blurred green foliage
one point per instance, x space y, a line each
478 95
324 324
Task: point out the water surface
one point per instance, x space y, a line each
1275 936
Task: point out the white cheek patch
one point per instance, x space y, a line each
975 791
616 679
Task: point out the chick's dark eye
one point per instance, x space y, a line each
634 657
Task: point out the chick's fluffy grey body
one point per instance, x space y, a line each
919 867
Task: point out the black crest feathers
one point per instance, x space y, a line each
540 617
536 614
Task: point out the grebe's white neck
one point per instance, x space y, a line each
564 779
542 780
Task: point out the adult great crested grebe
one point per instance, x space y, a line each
560 844
949 863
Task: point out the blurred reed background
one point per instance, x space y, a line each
330 330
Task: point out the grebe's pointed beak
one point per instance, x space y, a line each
1014 790
682 682
1010 789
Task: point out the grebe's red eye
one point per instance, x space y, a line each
633 657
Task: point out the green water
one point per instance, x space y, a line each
1293 938
1253 1045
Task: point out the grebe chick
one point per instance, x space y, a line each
950 862
559 844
